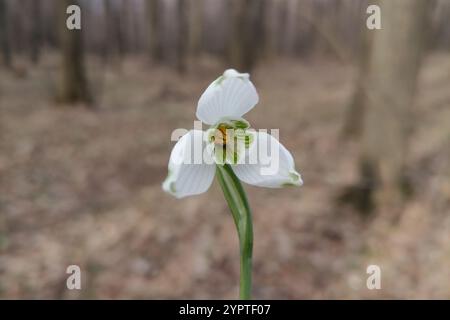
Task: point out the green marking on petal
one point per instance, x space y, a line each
172 187
219 80
210 134
169 186
231 123
249 138
295 180
240 124
289 184
294 176
239 135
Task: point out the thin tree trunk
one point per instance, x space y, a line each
182 35
195 26
109 21
4 34
354 118
119 26
154 17
50 34
36 31
237 39
283 25
268 45
74 85
247 30
304 29
114 46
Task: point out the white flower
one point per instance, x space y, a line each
228 141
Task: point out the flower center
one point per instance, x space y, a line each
229 138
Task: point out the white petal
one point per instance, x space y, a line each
268 164
190 170
230 96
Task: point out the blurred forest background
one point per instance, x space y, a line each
85 124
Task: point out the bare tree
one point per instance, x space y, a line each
353 121
74 85
195 26
50 34
269 24
182 35
389 84
36 30
4 34
247 30
154 9
237 38
115 42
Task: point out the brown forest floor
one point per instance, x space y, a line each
83 187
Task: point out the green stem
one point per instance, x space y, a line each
237 201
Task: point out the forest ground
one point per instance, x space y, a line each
84 187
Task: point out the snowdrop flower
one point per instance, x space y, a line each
229 141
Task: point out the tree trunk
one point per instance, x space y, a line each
237 38
108 46
283 26
268 21
4 34
247 31
50 34
389 86
355 112
154 17
195 26
74 86
305 39
36 31
182 35
115 37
